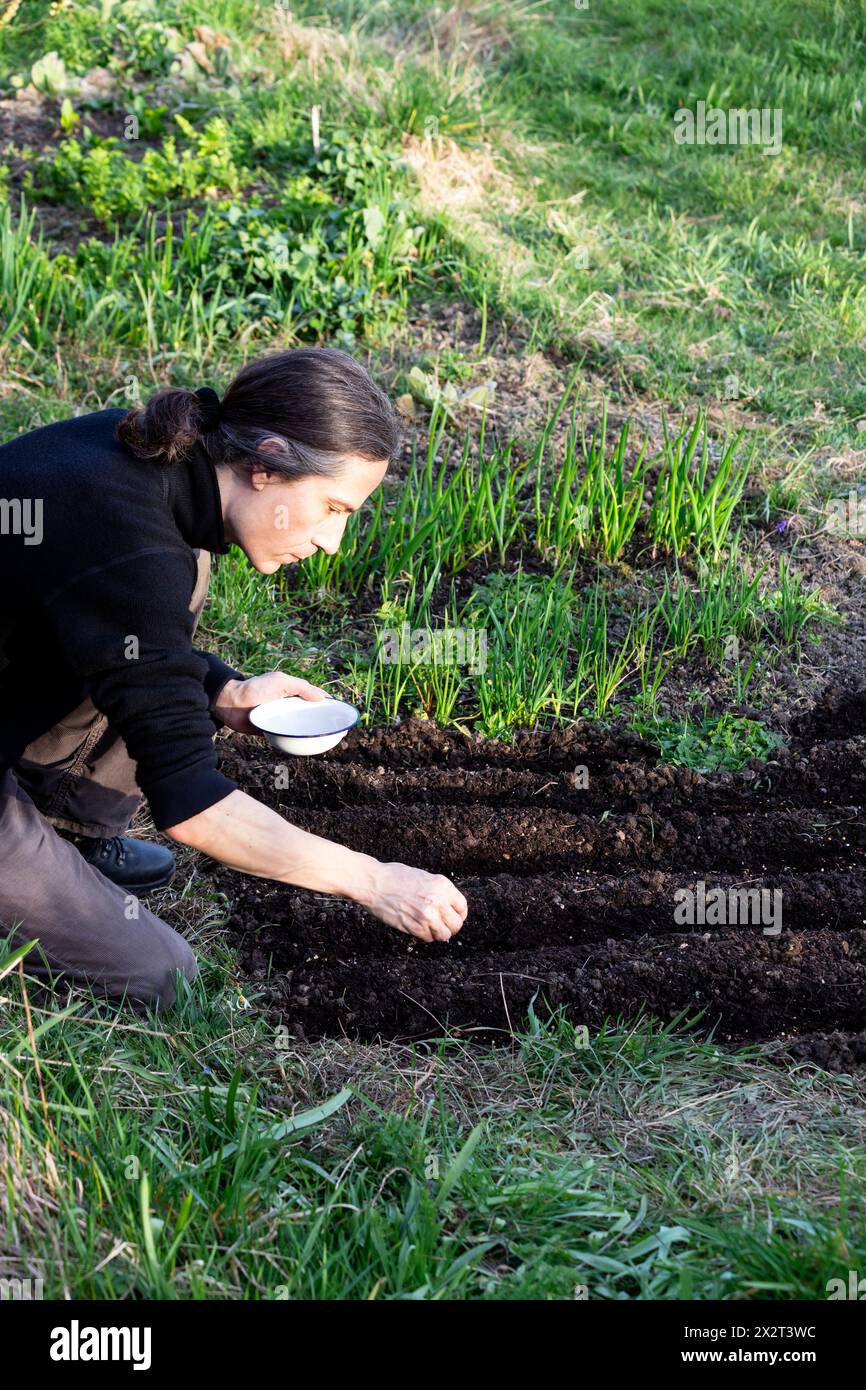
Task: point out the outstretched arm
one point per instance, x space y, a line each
246 835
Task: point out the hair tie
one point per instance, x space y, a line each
211 408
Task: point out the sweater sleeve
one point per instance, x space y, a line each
218 672
126 629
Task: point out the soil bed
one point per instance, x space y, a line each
571 880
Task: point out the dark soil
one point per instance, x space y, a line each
571 887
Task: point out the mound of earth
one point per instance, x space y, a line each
572 848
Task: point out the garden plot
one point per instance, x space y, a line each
577 850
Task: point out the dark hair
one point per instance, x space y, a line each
320 402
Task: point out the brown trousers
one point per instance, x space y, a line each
79 777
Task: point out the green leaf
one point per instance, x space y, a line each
452 1177
283 1130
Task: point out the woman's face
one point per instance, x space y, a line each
277 523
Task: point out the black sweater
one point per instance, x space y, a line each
98 604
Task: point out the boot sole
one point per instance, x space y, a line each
141 890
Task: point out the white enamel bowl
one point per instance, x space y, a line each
302 727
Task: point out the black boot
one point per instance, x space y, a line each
136 865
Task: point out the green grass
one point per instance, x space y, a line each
717 262
530 622
716 291
695 500
794 606
209 1156
715 611
587 498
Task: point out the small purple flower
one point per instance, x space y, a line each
782 525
